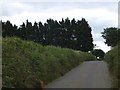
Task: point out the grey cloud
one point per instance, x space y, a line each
45 6
98 27
15 7
83 5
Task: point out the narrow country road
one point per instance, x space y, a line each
90 74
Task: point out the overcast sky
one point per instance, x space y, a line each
100 14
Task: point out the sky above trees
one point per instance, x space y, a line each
99 14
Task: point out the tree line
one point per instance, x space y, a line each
74 34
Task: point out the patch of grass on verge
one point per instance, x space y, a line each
25 62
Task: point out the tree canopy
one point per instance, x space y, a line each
98 53
74 34
111 36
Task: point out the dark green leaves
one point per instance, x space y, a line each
111 36
65 33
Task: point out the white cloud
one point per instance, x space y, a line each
101 45
100 15
97 36
98 40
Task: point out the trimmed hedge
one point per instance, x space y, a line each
113 59
25 62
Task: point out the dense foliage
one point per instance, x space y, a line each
98 53
111 36
25 62
113 59
65 33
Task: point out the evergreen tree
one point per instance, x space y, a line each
7 29
29 30
35 34
86 36
48 30
65 33
68 33
62 33
15 30
21 32
41 34
56 34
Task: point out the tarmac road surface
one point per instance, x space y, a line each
90 74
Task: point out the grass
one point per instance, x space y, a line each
25 62
113 59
